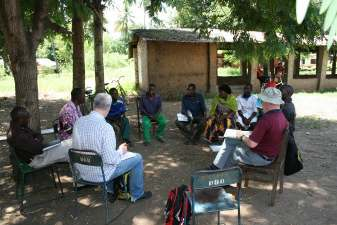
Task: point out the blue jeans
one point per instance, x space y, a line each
234 151
135 166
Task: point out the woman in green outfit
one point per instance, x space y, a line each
222 114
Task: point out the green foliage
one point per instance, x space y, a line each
62 49
276 18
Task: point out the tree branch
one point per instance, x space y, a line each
56 28
95 10
39 17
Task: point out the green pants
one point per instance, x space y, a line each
147 126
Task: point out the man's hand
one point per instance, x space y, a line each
124 147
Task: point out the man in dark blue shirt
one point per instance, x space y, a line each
117 115
150 108
193 107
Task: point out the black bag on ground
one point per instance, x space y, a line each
293 161
178 207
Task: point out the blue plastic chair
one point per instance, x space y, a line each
209 180
92 159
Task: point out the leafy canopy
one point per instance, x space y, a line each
276 18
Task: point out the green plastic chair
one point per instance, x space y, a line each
21 170
208 180
92 159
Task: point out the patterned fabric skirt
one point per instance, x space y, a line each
216 127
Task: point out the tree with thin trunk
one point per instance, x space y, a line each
23 29
98 8
78 47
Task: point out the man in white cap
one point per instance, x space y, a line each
263 145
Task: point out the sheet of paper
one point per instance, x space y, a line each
232 133
181 117
128 155
51 146
215 148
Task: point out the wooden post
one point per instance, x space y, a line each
253 76
322 61
291 64
135 57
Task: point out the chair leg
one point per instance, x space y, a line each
59 181
105 199
218 217
51 171
21 189
239 208
281 183
246 182
273 191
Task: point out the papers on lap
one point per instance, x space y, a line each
128 155
230 133
236 134
181 117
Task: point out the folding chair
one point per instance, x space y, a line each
209 180
92 159
21 170
139 118
271 173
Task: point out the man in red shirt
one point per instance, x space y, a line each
263 145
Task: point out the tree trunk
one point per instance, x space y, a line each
26 87
78 51
98 42
21 42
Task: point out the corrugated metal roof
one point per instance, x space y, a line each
176 35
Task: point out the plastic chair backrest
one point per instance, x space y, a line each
23 166
216 178
84 157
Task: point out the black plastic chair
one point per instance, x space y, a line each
92 159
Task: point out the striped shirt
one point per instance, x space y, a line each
92 132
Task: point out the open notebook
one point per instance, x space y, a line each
230 133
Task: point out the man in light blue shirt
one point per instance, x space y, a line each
92 132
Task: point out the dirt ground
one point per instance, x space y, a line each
309 197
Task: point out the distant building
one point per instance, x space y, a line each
173 58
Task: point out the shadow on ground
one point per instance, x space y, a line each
309 197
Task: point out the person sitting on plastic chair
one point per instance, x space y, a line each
92 132
247 110
29 146
117 115
69 113
194 109
262 146
150 108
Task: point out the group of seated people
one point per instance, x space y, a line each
94 131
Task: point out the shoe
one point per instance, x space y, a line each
112 197
160 139
145 143
146 195
212 167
